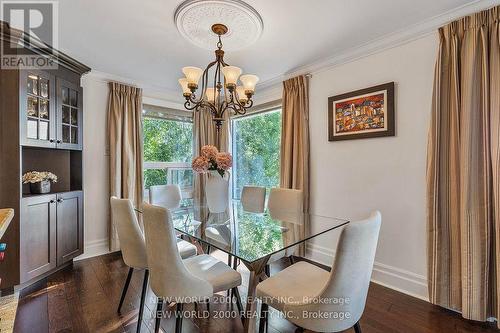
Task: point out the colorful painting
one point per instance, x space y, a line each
363 113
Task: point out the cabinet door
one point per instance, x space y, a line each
69 226
37 108
37 236
69 115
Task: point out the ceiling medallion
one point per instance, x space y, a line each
194 20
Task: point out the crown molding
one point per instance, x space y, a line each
388 41
152 94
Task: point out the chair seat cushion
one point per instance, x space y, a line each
186 249
293 285
217 273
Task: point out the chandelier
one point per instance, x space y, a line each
222 95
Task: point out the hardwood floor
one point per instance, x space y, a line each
85 298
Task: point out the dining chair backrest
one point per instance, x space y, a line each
129 233
168 196
285 199
347 287
253 199
169 277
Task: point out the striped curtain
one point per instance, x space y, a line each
463 169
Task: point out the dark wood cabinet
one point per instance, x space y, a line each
69 226
51 232
38 108
51 111
69 115
41 129
38 236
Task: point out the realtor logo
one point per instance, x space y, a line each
38 20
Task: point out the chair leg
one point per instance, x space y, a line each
143 297
125 288
178 318
357 327
292 259
158 314
229 259
264 308
235 263
236 294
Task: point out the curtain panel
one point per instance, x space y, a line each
125 148
294 162
463 169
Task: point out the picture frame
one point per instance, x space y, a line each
361 114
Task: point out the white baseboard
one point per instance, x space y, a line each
388 276
94 248
401 280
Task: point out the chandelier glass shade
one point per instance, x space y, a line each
220 91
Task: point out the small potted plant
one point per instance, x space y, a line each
217 165
39 181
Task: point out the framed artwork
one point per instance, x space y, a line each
360 114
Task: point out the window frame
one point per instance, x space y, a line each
270 107
162 113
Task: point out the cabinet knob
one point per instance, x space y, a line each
59 200
51 140
58 141
52 201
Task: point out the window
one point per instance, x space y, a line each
168 150
256 141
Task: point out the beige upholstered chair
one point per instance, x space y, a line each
340 294
286 205
133 246
176 280
168 196
285 199
253 199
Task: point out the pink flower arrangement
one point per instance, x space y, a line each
200 164
212 159
224 161
209 152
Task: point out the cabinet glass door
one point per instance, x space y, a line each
69 115
38 99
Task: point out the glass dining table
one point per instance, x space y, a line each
255 239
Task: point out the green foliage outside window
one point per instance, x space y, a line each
256 151
165 141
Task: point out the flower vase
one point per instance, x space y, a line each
40 187
217 192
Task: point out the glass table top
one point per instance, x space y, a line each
250 236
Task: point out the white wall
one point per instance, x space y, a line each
352 178
95 166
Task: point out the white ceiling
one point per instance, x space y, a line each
138 40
